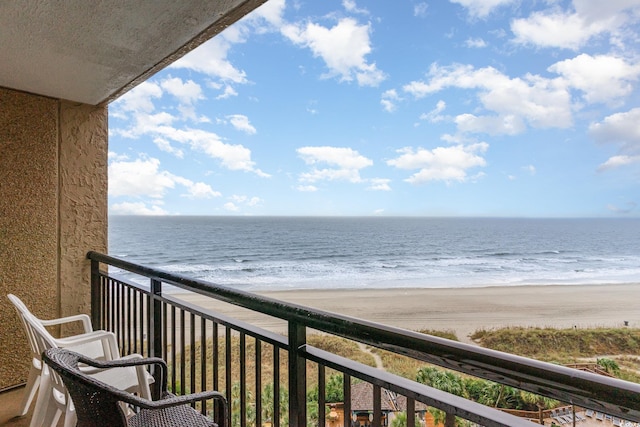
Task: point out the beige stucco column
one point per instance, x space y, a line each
53 209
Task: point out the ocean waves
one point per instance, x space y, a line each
309 253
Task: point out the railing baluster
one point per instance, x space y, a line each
183 379
128 330
192 343
377 406
346 391
411 412
96 290
112 305
215 362
203 359
118 316
258 373
276 386
297 376
173 348
243 380
322 396
135 322
227 367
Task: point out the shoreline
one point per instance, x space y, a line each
460 310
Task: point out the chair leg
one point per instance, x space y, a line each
52 416
30 390
70 419
43 401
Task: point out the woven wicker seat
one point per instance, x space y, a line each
99 405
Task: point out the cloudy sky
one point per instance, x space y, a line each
378 107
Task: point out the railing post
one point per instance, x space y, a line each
155 333
297 376
96 301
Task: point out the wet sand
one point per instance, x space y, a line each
461 310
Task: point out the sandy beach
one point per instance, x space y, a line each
462 310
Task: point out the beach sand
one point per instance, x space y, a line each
461 310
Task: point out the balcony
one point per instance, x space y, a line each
272 379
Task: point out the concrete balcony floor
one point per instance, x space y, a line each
9 406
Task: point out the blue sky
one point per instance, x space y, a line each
422 108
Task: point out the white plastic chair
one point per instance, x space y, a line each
53 399
33 380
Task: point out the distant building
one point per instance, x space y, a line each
362 407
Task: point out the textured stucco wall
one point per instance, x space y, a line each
83 200
53 195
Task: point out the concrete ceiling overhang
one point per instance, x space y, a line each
93 51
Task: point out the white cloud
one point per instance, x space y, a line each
143 178
481 8
113 156
230 206
166 146
628 208
343 48
187 92
228 92
160 127
616 162
140 177
210 58
420 9
379 184
507 124
434 115
475 43
537 101
136 208
238 202
623 130
440 164
620 128
232 157
199 190
307 188
352 7
347 164
389 98
138 99
530 169
270 12
602 78
572 29
241 122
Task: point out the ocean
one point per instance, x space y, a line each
285 253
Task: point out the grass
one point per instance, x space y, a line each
564 345
560 346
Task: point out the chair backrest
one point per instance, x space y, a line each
24 312
39 338
95 402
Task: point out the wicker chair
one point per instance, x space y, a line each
99 405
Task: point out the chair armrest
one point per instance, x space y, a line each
168 402
144 378
85 319
165 402
90 370
130 361
106 337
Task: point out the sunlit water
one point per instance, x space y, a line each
275 253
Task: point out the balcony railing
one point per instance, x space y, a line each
255 367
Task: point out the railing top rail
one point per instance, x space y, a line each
569 385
